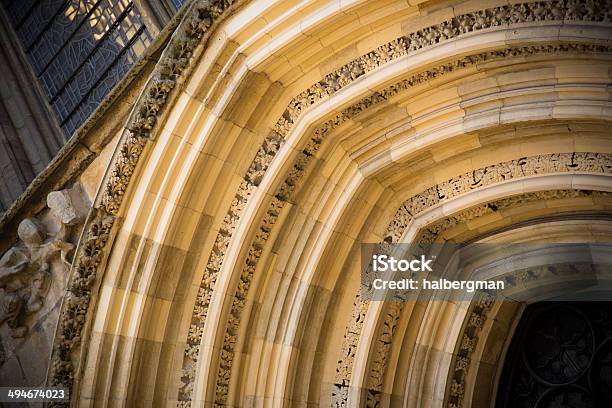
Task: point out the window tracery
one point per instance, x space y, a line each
561 356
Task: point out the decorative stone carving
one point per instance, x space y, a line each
240 296
263 159
339 397
77 300
570 162
120 176
479 312
173 65
477 316
383 349
516 13
332 83
25 268
28 269
497 173
266 154
431 232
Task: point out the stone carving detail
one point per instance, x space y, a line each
527 166
478 314
252 178
339 394
26 268
383 349
122 171
431 232
516 13
173 65
77 299
263 160
476 319
281 197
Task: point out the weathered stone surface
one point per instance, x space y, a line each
33 279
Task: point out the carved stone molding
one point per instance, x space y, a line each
598 163
432 231
556 10
174 63
526 166
480 310
76 301
25 268
262 161
283 195
428 235
255 174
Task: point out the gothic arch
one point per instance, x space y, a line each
218 265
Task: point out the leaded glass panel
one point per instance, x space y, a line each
78 49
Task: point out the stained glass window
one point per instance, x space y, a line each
78 49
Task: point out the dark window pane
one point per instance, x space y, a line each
39 19
19 9
61 32
79 49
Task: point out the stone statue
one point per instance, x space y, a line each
25 269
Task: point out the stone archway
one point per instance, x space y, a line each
448 353
217 267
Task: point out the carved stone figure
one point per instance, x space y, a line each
25 269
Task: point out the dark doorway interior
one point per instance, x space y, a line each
560 357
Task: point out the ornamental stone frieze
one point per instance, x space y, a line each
523 167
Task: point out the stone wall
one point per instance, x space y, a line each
29 135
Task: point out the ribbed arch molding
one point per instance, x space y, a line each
477 216
296 132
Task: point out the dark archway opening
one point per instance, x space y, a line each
560 357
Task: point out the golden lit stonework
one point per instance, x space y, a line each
188 187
